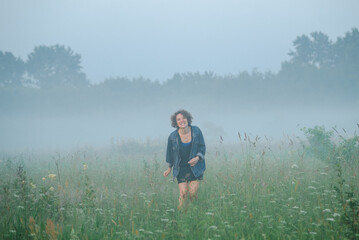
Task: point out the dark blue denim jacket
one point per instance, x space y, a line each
198 149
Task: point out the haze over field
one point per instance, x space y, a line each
87 72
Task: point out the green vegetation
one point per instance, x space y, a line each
319 72
253 189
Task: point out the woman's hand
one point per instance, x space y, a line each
167 172
193 161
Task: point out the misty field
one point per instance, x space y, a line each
252 189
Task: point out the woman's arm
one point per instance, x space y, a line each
169 158
201 146
200 152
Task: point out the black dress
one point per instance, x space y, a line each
185 173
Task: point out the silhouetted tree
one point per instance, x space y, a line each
315 50
347 51
11 70
56 66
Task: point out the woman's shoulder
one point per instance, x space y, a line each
196 129
173 134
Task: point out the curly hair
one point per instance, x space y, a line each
185 114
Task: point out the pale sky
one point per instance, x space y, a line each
157 38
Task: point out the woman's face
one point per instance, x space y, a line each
181 121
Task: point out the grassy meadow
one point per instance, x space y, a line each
252 189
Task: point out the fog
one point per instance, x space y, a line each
105 129
98 72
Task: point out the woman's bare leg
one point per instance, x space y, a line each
193 189
183 189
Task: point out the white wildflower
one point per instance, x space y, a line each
302 212
294 166
213 227
330 219
85 166
327 210
52 176
336 215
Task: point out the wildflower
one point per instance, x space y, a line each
164 219
327 210
98 210
290 199
51 189
294 166
209 213
336 215
43 179
311 187
229 226
170 210
323 173
85 166
330 219
52 176
213 227
302 212
123 195
313 233
32 185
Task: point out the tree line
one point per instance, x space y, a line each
318 69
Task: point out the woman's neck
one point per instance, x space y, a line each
184 130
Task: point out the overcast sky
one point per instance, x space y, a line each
157 38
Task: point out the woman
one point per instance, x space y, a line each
185 153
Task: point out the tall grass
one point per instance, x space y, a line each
252 189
